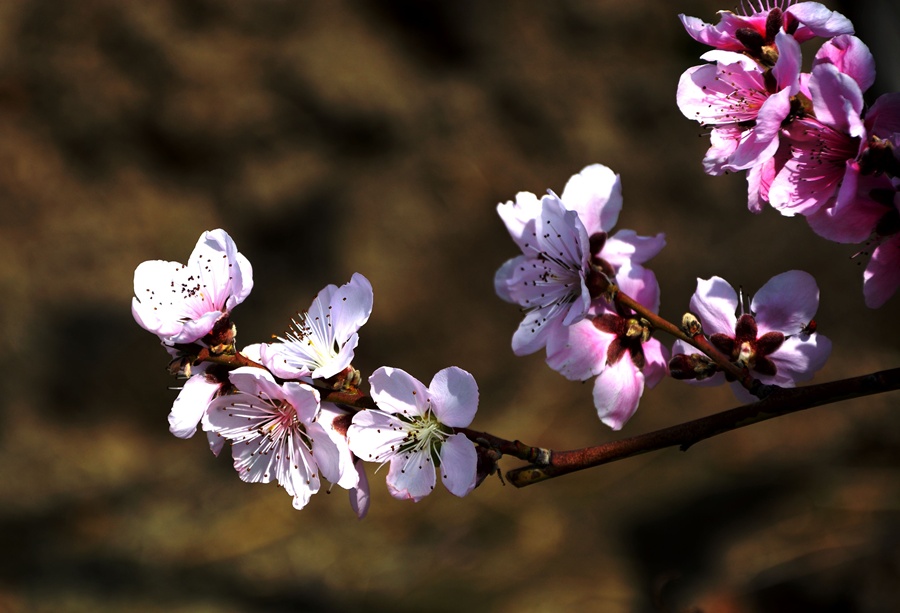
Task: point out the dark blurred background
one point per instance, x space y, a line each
378 136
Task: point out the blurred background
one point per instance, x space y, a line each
378 136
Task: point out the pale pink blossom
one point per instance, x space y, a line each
322 340
616 349
275 435
564 241
413 430
182 303
776 339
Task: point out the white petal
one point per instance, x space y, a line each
375 436
715 303
454 393
458 464
191 404
396 391
351 306
411 475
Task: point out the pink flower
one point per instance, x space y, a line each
757 28
414 431
275 435
822 169
745 107
183 303
560 238
322 339
615 348
775 340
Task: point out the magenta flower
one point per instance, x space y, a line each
183 303
755 30
744 106
274 434
322 340
560 238
776 340
823 167
617 349
414 431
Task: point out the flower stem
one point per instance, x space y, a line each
699 341
778 403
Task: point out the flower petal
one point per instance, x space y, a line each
374 436
411 475
578 352
617 392
595 194
458 464
786 303
454 393
715 303
882 276
351 306
191 404
396 391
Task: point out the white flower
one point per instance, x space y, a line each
321 341
414 431
183 303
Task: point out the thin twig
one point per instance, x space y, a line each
780 402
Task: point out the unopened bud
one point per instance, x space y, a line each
695 366
690 325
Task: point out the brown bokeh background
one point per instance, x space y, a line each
378 136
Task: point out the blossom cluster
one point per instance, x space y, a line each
562 281
807 140
571 271
270 407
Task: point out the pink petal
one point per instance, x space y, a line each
723 141
715 303
882 276
787 68
617 392
521 217
578 352
837 99
595 194
626 246
786 303
761 142
359 496
657 358
852 223
851 56
818 20
798 359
